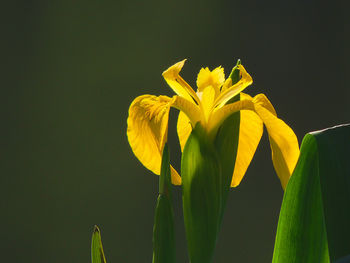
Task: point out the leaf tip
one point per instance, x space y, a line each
96 230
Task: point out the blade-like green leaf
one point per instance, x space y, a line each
334 164
201 195
97 255
314 223
301 235
163 229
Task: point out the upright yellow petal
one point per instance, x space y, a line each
227 84
283 141
207 101
250 132
147 130
213 78
229 93
178 84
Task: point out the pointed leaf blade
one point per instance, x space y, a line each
163 229
97 255
314 220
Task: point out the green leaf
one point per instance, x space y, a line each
97 255
163 229
201 195
314 223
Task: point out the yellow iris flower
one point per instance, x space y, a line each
148 121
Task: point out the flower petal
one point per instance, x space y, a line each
184 129
192 111
147 130
178 84
227 84
207 101
283 141
175 177
250 132
229 93
220 114
213 78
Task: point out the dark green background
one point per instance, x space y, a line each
70 72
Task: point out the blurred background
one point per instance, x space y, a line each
71 70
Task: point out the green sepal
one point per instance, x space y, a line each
226 145
97 255
163 229
201 195
234 75
226 141
314 223
207 169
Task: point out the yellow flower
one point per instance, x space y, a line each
148 121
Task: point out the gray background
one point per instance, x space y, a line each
71 70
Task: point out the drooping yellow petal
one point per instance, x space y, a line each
178 84
213 78
229 93
220 114
184 129
147 130
263 101
250 132
283 141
